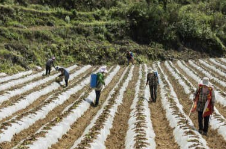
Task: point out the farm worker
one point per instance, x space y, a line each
152 80
100 83
64 73
204 104
130 57
49 64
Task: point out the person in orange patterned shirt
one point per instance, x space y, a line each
204 104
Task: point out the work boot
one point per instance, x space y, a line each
200 131
150 100
204 133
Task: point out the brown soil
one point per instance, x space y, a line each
116 139
163 132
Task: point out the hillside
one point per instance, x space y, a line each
99 32
37 113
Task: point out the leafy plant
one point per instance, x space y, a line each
67 19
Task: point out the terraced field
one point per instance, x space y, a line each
38 113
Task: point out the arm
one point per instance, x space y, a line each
196 94
100 78
53 64
61 74
213 98
147 79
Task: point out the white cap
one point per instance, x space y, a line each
53 58
205 81
103 69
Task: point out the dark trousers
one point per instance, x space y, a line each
97 97
130 60
206 122
48 69
66 82
153 92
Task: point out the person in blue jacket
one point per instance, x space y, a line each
64 73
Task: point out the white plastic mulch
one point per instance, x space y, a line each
15 76
207 74
2 74
214 61
213 68
20 81
178 78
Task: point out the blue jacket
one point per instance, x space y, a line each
65 73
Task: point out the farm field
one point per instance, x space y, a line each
38 113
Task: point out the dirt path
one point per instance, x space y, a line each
217 141
54 113
80 125
163 132
116 139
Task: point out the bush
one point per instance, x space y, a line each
75 13
67 19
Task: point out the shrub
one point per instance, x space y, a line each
67 19
75 13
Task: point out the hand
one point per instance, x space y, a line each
213 108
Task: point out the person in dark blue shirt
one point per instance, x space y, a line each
65 74
130 57
49 64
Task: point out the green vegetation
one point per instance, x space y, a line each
97 32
